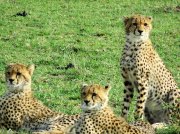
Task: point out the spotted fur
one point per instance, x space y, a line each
19 109
98 118
143 70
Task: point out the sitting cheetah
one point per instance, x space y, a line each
98 118
143 69
20 110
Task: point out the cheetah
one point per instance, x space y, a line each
98 118
19 109
144 71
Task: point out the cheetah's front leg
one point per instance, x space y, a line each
142 88
128 94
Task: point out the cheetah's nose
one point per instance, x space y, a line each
11 80
140 31
86 101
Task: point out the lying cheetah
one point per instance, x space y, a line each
143 69
98 118
19 109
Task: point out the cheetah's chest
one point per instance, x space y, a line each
134 55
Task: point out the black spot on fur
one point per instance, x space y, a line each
127 83
130 89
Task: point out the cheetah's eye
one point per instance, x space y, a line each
8 73
18 73
134 24
94 94
145 24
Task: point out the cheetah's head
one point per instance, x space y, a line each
18 76
138 27
94 97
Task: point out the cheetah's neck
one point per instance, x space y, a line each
133 38
137 42
102 110
24 89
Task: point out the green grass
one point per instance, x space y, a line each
86 33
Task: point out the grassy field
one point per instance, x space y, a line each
88 34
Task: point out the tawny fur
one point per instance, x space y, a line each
98 118
143 70
19 109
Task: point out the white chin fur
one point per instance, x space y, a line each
137 36
91 107
17 86
96 107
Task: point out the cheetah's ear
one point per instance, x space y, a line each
107 88
31 69
8 65
150 18
84 85
125 19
